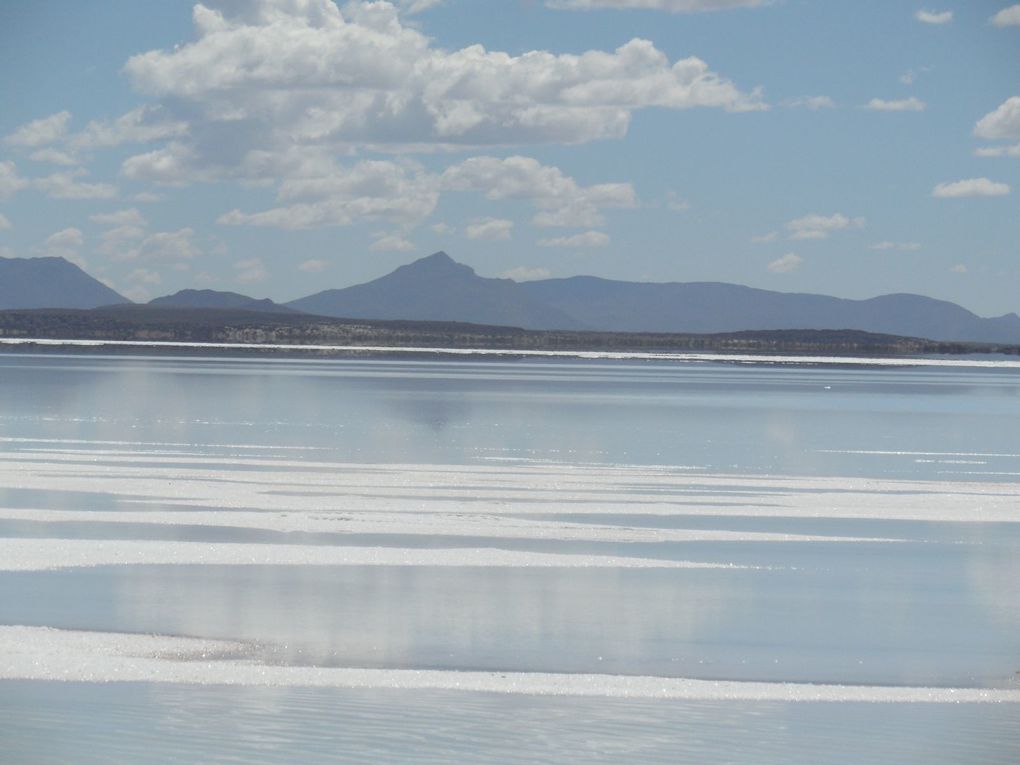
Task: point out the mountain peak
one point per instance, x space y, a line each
437 264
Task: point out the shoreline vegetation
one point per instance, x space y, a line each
254 329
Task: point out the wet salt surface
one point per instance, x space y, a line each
442 545
166 723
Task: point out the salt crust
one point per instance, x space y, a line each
52 554
745 358
42 653
458 492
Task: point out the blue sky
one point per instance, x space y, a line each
279 147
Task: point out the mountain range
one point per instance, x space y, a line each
437 288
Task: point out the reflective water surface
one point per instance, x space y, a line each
864 525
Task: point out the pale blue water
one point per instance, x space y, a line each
939 608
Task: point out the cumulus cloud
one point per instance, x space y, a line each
489 229
934 17
443 229
129 217
41 131
676 203
372 190
10 181
144 276
586 239
250 271
66 186
281 72
5 224
912 104
64 244
998 151
313 266
561 200
771 236
391 243
1007 17
959 268
785 264
53 157
142 125
816 226
1004 122
970 187
525 274
674 6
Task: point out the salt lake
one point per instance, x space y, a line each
271 559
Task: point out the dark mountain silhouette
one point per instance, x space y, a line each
218 299
51 283
716 307
437 288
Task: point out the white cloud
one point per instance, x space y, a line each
64 244
959 268
816 226
814 103
998 151
785 264
676 203
490 229
1004 122
586 239
391 243
912 104
131 242
305 73
443 229
144 276
903 246
1007 17
142 125
396 192
250 271
10 181
934 17
561 201
5 223
417 6
136 293
53 157
64 186
525 274
40 132
674 6
313 266
129 217
970 187
771 236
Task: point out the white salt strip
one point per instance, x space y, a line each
294 486
51 554
416 524
40 653
745 358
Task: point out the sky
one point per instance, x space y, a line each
282 147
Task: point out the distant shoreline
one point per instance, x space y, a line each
33 344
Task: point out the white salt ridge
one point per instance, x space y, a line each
473 491
52 554
41 653
414 524
744 358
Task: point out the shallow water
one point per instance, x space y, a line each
458 516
